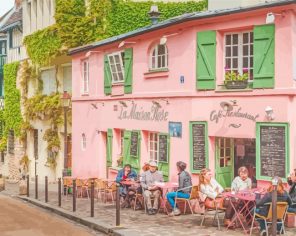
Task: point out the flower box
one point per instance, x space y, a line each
236 84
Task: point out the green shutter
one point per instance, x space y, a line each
206 60
109 147
263 56
164 167
107 77
128 70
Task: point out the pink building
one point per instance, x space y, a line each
215 89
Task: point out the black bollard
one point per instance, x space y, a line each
60 192
28 186
92 202
117 205
74 195
46 189
36 187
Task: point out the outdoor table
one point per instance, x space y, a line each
165 187
247 200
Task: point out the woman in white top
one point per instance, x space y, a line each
242 181
210 188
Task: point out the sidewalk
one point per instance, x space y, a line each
132 222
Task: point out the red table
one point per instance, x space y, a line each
165 187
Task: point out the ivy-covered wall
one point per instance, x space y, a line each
77 25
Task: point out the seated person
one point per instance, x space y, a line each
185 181
148 181
211 190
125 174
292 191
242 181
262 209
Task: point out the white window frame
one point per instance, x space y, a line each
85 77
240 55
158 57
48 69
151 147
83 142
120 54
64 67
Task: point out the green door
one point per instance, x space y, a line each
131 149
224 161
109 147
164 155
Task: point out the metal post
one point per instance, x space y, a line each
46 189
117 205
28 186
60 192
274 210
92 203
36 187
74 195
65 142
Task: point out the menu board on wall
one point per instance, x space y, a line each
198 146
163 148
134 143
273 151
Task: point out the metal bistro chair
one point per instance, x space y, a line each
100 186
194 194
281 209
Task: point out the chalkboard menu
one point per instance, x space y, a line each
273 151
134 144
198 146
163 148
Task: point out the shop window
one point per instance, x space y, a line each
83 142
48 78
159 57
239 53
116 63
85 75
153 147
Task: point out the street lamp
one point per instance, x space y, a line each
66 98
274 181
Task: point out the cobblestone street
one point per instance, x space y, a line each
134 222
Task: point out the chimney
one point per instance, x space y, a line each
154 14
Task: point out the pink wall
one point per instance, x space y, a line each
185 103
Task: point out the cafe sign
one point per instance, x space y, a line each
156 113
229 110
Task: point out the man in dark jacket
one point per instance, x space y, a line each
292 191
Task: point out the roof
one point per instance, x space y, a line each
14 20
4 17
178 20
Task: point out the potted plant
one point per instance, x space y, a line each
233 80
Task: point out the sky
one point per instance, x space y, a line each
5 5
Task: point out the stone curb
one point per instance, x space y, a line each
89 222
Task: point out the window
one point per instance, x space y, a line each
159 57
67 79
85 85
11 142
83 142
153 146
121 141
35 143
48 78
116 62
3 47
239 53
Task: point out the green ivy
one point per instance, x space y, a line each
43 45
12 110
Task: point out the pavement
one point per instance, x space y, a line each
19 219
132 222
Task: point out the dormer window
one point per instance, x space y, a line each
159 57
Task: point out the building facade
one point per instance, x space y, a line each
213 89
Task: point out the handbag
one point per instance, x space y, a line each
214 203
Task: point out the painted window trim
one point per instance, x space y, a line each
287 140
156 68
191 145
119 53
149 147
240 50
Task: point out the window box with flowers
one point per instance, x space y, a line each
235 80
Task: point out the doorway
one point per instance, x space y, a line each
231 154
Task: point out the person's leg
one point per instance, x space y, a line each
156 195
171 198
147 197
261 224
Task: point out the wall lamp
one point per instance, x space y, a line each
95 105
270 17
123 103
156 103
122 43
87 54
269 113
164 38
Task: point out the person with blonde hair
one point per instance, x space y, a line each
262 208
